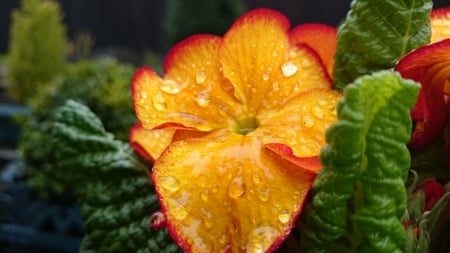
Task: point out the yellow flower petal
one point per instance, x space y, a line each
229 194
263 67
193 92
150 143
301 122
440 24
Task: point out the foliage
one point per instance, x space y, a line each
185 18
116 197
101 84
376 34
37 48
365 164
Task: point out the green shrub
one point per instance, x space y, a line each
37 48
103 85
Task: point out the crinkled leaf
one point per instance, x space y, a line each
116 197
376 33
359 196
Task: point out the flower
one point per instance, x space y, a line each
430 65
234 129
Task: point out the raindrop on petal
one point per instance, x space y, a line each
256 178
276 86
236 188
159 102
204 195
317 112
202 99
170 87
265 76
289 69
178 211
200 77
283 216
263 194
169 183
308 121
157 220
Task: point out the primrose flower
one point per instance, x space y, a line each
430 66
234 128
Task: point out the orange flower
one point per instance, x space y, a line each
234 129
430 65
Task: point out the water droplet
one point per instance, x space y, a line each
283 216
236 188
200 77
318 112
263 194
276 86
143 95
170 183
209 63
256 178
289 69
170 87
223 239
178 211
208 224
275 53
265 76
214 188
204 195
159 102
292 53
157 220
308 121
202 99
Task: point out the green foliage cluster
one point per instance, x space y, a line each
103 85
359 197
115 194
185 18
37 48
376 34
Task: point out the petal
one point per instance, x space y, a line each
150 143
440 24
229 194
320 37
193 93
262 66
429 65
301 122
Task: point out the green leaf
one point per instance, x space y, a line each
377 33
359 197
115 193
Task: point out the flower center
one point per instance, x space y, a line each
246 125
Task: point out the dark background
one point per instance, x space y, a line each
138 24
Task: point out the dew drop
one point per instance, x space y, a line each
204 195
236 188
223 239
170 183
292 53
308 122
170 87
144 95
275 54
159 102
200 77
202 99
317 112
208 224
276 86
289 69
157 220
283 216
179 212
265 76
256 178
263 194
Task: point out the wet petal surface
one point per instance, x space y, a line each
229 193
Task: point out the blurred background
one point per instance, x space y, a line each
88 50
